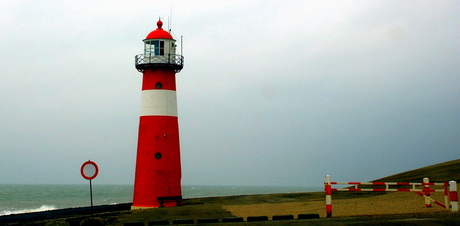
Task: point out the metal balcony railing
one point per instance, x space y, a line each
173 61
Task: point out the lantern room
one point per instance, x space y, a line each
159 42
159 51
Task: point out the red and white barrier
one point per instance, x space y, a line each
453 195
328 189
424 191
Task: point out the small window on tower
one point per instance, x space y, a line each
159 85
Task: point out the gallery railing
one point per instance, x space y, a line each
173 61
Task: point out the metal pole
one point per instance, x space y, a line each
91 195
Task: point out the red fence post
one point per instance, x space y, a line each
453 196
327 188
426 191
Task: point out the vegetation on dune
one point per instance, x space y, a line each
441 172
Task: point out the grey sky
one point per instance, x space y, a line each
272 92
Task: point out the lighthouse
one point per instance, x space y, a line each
157 181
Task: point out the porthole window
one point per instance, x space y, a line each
159 85
158 155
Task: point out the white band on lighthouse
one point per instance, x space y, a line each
158 102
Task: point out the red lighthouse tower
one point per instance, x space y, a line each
157 180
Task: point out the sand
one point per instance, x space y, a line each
392 203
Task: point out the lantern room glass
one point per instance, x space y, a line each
154 48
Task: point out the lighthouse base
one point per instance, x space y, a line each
141 207
168 201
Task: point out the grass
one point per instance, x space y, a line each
441 172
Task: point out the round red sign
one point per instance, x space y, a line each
89 170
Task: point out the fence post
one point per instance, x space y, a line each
327 188
453 196
446 195
426 191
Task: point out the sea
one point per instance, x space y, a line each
15 199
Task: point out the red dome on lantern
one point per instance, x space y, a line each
159 33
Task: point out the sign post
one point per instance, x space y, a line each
89 171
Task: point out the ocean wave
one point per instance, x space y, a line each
39 209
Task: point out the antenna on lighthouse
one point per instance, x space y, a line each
170 19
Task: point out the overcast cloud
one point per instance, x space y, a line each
272 92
